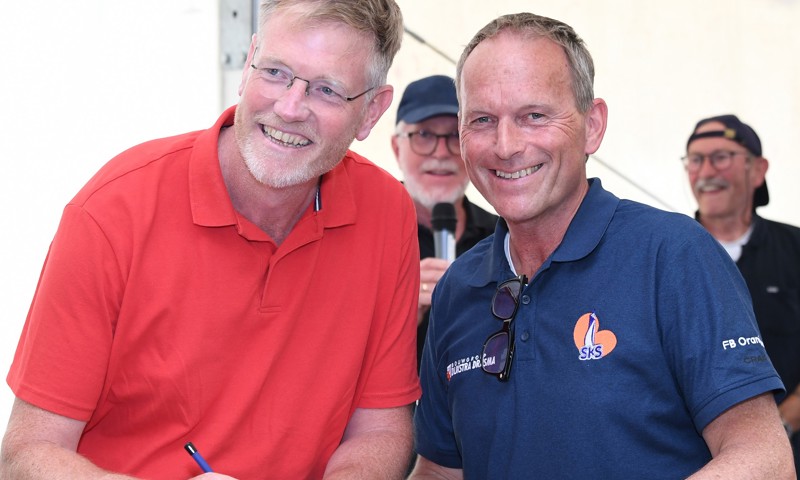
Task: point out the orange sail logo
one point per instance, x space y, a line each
592 343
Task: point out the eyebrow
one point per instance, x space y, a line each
275 63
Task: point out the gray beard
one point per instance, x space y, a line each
428 200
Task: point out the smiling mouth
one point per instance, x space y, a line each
440 173
284 138
709 188
519 173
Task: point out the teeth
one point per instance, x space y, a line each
710 185
286 138
518 173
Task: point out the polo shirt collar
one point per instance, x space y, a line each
211 206
759 234
583 235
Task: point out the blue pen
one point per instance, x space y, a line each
197 457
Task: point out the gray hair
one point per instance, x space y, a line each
530 25
379 19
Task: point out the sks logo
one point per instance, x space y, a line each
592 343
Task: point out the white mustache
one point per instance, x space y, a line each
710 183
435 164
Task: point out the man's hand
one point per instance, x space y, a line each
431 270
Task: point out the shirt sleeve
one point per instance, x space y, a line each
391 376
434 437
63 352
709 332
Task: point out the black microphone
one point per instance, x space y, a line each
443 221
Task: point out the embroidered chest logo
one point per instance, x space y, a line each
592 343
463 365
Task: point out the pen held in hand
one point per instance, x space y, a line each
197 457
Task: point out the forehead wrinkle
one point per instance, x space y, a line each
343 58
529 73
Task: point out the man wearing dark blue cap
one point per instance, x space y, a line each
427 149
728 188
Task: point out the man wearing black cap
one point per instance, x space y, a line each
728 188
427 149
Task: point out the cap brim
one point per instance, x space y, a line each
428 111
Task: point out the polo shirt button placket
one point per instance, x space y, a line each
525 299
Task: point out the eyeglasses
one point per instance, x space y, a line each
278 79
424 142
498 349
719 159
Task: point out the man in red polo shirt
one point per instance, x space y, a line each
242 287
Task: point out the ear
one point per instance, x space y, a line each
247 63
377 106
396 148
596 121
759 171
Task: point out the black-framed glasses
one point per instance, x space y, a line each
424 142
498 349
719 159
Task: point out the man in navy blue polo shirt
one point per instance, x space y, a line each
588 337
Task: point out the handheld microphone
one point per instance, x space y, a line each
443 221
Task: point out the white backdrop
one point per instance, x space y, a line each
85 79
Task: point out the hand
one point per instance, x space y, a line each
430 271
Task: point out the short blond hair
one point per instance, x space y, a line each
380 20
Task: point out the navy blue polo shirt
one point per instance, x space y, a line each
678 346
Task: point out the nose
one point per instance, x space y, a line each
303 87
441 150
508 142
292 104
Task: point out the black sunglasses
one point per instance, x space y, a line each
498 349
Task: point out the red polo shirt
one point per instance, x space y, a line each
163 316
